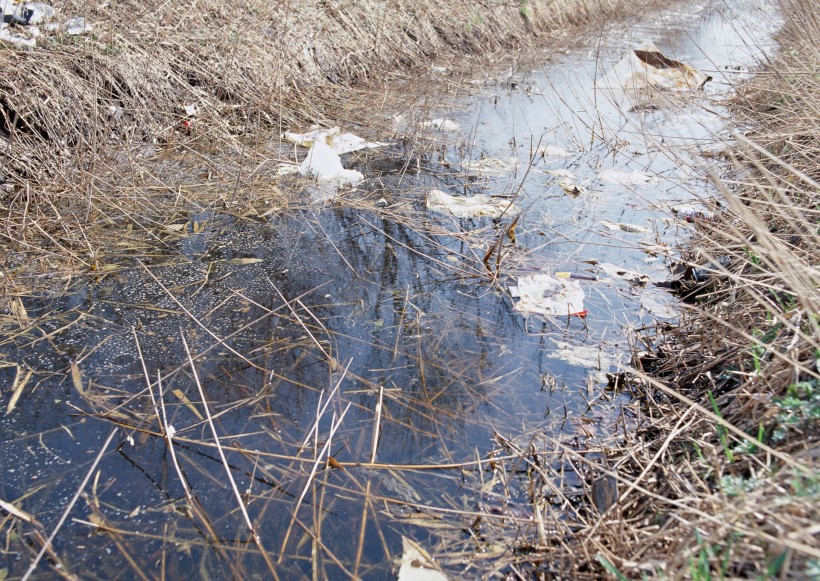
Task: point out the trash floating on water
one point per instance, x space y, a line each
646 67
468 207
627 275
490 165
417 564
552 151
567 182
323 164
631 228
443 124
576 275
337 141
543 294
590 356
693 214
624 178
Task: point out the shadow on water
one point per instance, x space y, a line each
359 362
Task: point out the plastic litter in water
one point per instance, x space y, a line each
443 124
646 66
323 164
468 207
631 228
693 214
337 141
543 294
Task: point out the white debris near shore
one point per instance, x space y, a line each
646 66
542 294
24 20
468 206
339 142
325 166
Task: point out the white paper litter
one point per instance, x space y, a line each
468 207
323 164
543 294
337 141
631 228
417 565
443 124
624 178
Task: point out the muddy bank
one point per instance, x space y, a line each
143 68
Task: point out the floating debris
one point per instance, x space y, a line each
468 207
631 228
417 564
542 294
337 141
567 182
627 275
624 178
646 67
693 214
443 124
490 165
323 164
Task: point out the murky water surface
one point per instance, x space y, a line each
364 329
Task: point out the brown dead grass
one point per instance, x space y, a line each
279 62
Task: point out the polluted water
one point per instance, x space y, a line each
330 391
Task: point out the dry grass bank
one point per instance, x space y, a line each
278 62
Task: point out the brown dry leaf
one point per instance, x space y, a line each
19 513
184 399
17 388
77 379
243 261
19 311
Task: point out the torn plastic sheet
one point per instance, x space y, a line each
646 67
491 166
567 181
323 164
468 207
417 564
26 37
624 178
442 124
542 294
631 228
337 141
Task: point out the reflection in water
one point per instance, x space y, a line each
337 335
